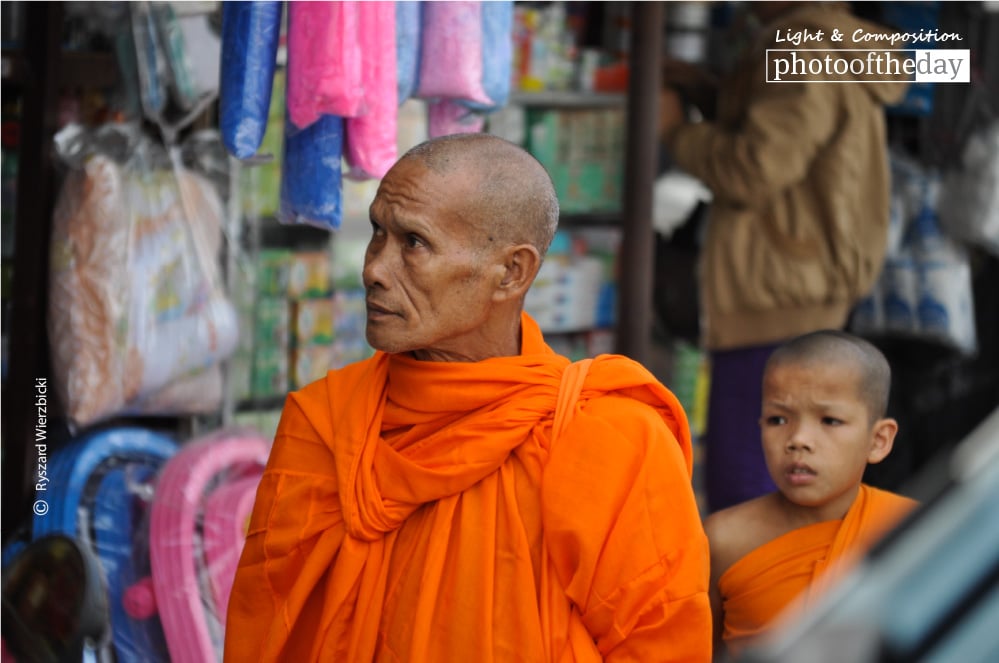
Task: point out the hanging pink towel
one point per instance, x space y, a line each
451 60
324 61
447 117
371 138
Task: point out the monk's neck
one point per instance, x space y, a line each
798 514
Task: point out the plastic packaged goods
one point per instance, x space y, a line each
407 47
970 198
446 117
451 55
497 54
925 290
311 182
151 66
135 300
325 75
250 36
169 96
370 139
178 69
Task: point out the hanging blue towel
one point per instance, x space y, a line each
407 47
250 35
311 180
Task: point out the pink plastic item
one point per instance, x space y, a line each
451 59
227 513
139 600
324 61
181 583
371 138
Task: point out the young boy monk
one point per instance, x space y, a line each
823 420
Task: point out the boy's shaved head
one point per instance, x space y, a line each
830 346
512 197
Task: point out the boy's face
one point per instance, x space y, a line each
818 436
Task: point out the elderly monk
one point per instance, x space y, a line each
825 395
417 505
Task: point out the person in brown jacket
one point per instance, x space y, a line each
797 228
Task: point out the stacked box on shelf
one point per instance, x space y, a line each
259 367
261 183
350 313
583 151
349 341
573 291
311 308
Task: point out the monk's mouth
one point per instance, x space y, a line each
799 474
375 309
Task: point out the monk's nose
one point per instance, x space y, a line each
799 440
374 271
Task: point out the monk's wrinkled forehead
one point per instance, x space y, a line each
411 190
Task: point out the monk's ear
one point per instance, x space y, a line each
520 266
882 439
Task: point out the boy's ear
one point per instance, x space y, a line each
520 266
883 437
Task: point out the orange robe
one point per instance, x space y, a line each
419 511
800 564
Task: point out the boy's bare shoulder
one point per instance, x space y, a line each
739 529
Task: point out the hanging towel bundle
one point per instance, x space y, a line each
350 65
371 136
250 35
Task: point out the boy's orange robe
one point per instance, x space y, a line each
418 511
801 563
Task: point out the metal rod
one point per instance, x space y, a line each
637 258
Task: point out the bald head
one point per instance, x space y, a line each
832 347
512 198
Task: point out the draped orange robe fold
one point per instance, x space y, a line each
801 564
419 511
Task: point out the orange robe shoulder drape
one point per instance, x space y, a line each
418 511
800 564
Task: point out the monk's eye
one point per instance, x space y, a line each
832 421
775 420
414 241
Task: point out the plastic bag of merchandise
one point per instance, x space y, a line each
945 304
179 72
250 36
407 47
497 54
451 55
169 94
969 206
311 179
370 139
136 305
325 75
